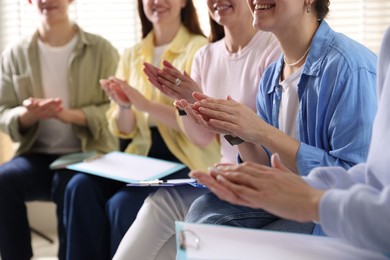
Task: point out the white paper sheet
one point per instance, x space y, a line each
221 242
127 167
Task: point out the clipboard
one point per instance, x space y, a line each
201 242
63 161
125 167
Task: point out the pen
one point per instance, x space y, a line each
170 182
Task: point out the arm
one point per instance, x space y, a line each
275 189
286 195
362 213
164 80
125 95
231 117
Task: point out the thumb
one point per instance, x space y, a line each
277 163
186 74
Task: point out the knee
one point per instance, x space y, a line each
79 188
203 209
119 206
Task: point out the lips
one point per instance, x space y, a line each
159 9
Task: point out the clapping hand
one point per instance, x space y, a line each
43 108
123 94
275 189
171 81
226 116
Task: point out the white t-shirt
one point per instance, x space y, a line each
221 73
54 135
289 104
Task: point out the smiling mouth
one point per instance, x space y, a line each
158 10
261 7
221 8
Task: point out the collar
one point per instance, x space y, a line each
177 45
82 35
318 50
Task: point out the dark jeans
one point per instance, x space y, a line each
22 179
98 211
209 209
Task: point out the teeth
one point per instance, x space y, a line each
221 8
262 7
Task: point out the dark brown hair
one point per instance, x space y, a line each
217 31
188 16
321 7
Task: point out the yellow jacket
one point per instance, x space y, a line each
180 53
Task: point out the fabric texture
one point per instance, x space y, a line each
115 206
180 53
337 105
21 79
212 69
337 101
359 199
27 176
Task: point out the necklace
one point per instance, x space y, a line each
298 61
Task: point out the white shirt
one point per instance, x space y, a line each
289 104
220 73
54 135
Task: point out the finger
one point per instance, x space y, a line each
238 194
173 72
149 74
168 64
202 177
170 92
154 81
119 81
277 163
224 127
28 102
212 184
167 77
199 96
150 68
169 83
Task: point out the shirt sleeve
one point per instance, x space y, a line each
355 214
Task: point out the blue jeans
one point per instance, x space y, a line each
209 209
22 179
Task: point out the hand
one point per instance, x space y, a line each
165 81
114 92
231 117
43 108
275 189
194 114
120 91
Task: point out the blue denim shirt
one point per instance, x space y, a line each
337 101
